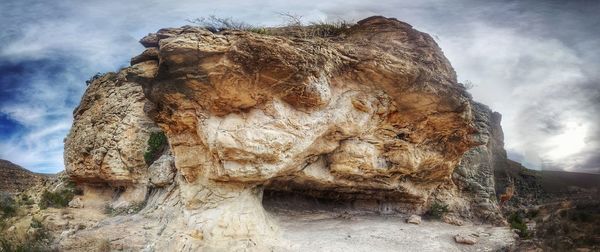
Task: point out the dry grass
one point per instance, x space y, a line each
293 27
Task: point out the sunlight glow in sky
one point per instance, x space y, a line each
570 141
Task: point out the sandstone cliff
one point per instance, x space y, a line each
372 116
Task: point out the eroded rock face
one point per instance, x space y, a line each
110 133
378 109
475 174
372 114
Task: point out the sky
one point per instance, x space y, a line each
535 62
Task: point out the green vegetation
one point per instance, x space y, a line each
516 222
156 143
35 223
26 200
27 246
61 197
260 30
71 186
575 227
56 199
8 206
437 210
37 241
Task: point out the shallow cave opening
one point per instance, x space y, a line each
275 200
302 201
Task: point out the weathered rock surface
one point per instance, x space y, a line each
414 219
358 115
373 116
465 239
110 133
475 174
162 171
76 203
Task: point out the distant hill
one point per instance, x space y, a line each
533 186
14 178
553 181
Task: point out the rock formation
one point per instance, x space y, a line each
373 116
474 177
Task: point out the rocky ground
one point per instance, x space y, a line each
304 224
332 231
308 227
552 210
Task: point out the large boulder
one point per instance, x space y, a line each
372 113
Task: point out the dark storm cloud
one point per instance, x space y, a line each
536 62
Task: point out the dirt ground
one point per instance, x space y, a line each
322 231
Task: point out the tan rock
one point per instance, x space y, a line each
162 171
374 116
301 106
414 219
76 203
109 134
450 219
147 55
465 239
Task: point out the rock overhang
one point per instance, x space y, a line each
251 108
372 115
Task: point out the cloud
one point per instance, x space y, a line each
534 61
36 108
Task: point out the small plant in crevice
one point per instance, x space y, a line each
156 144
437 210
